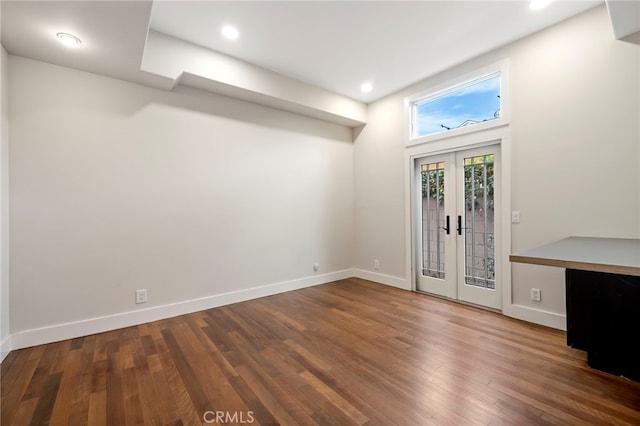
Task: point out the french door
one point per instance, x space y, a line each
458 218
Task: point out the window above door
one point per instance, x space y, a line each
471 103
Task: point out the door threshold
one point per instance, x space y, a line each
461 302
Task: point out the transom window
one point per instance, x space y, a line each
467 104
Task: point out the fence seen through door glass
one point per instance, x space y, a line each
433 220
479 223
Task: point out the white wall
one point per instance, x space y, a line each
4 204
116 187
587 92
575 143
380 202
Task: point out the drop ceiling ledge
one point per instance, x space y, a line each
187 64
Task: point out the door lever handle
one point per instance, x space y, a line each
447 227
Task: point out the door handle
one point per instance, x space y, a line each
460 228
447 227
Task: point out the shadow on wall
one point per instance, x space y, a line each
117 99
633 38
235 109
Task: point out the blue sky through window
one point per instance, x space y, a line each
474 103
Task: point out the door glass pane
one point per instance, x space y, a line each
479 224
433 220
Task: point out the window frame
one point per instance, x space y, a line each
451 86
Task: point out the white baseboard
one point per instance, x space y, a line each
54 333
6 346
537 316
389 280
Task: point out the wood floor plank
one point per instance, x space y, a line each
335 399
46 400
214 383
25 412
271 395
68 386
114 389
184 407
349 352
187 376
80 403
18 384
41 372
12 369
97 415
240 386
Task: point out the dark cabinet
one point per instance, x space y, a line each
603 319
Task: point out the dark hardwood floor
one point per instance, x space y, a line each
349 352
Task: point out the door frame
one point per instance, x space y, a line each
499 136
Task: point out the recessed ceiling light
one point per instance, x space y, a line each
68 40
538 4
230 32
366 87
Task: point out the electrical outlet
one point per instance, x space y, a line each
141 296
536 294
316 266
376 264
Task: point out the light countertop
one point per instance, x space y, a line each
612 255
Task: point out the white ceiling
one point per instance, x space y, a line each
335 46
340 45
